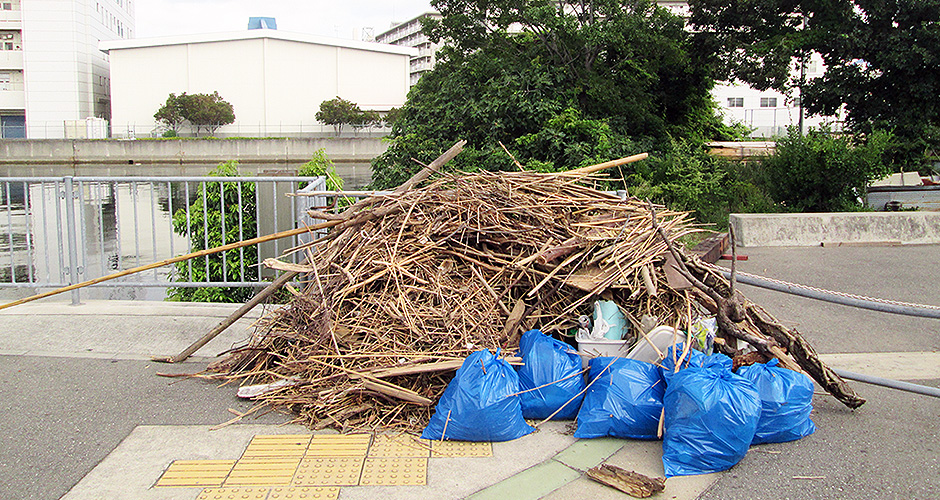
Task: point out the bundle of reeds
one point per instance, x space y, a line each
394 302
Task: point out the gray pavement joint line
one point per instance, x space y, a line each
96 355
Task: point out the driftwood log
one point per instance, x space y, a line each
739 319
629 482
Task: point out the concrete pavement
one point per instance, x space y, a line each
88 418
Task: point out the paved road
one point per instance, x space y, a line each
76 382
889 447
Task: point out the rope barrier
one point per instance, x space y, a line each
847 299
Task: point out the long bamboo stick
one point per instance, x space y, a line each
419 177
166 262
608 164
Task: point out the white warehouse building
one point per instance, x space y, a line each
275 80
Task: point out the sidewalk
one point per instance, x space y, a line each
89 419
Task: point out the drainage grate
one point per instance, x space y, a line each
195 473
395 472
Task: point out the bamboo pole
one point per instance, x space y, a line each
608 164
166 262
419 177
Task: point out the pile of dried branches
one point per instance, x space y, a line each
405 286
468 262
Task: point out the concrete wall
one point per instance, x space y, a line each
754 230
182 157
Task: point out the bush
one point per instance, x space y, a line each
685 176
824 172
205 230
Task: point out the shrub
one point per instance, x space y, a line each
824 172
205 229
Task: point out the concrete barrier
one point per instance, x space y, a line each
281 150
768 230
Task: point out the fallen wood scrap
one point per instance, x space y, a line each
629 482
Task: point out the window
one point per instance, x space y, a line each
7 45
735 102
768 102
5 80
6 6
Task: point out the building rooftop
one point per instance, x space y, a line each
136 43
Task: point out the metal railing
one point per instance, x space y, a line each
65 230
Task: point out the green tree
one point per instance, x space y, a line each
338 112
203 112
824 172
882 57
207 112
616 74
171 114
214 221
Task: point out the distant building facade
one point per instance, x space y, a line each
408 34
53 78
275 80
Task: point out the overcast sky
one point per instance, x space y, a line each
343 18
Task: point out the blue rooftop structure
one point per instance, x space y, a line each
262 23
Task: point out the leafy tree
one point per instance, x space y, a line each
687 176
824 172
561 82
365 119
203 112
207 111
320 164
171 114
882 57
207 227
338 112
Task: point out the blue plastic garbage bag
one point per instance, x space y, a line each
693 358
711 417
480 403
625 401
786 401
547 360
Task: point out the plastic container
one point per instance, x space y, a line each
662 337
609 321
589 349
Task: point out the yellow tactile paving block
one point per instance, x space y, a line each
263 472
339 445
195 473
399 445
304 492
394 472
286 445
233 494
335 471
285 493
454 449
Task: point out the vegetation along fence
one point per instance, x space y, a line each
64 230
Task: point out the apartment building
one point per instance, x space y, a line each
408 34
54 82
